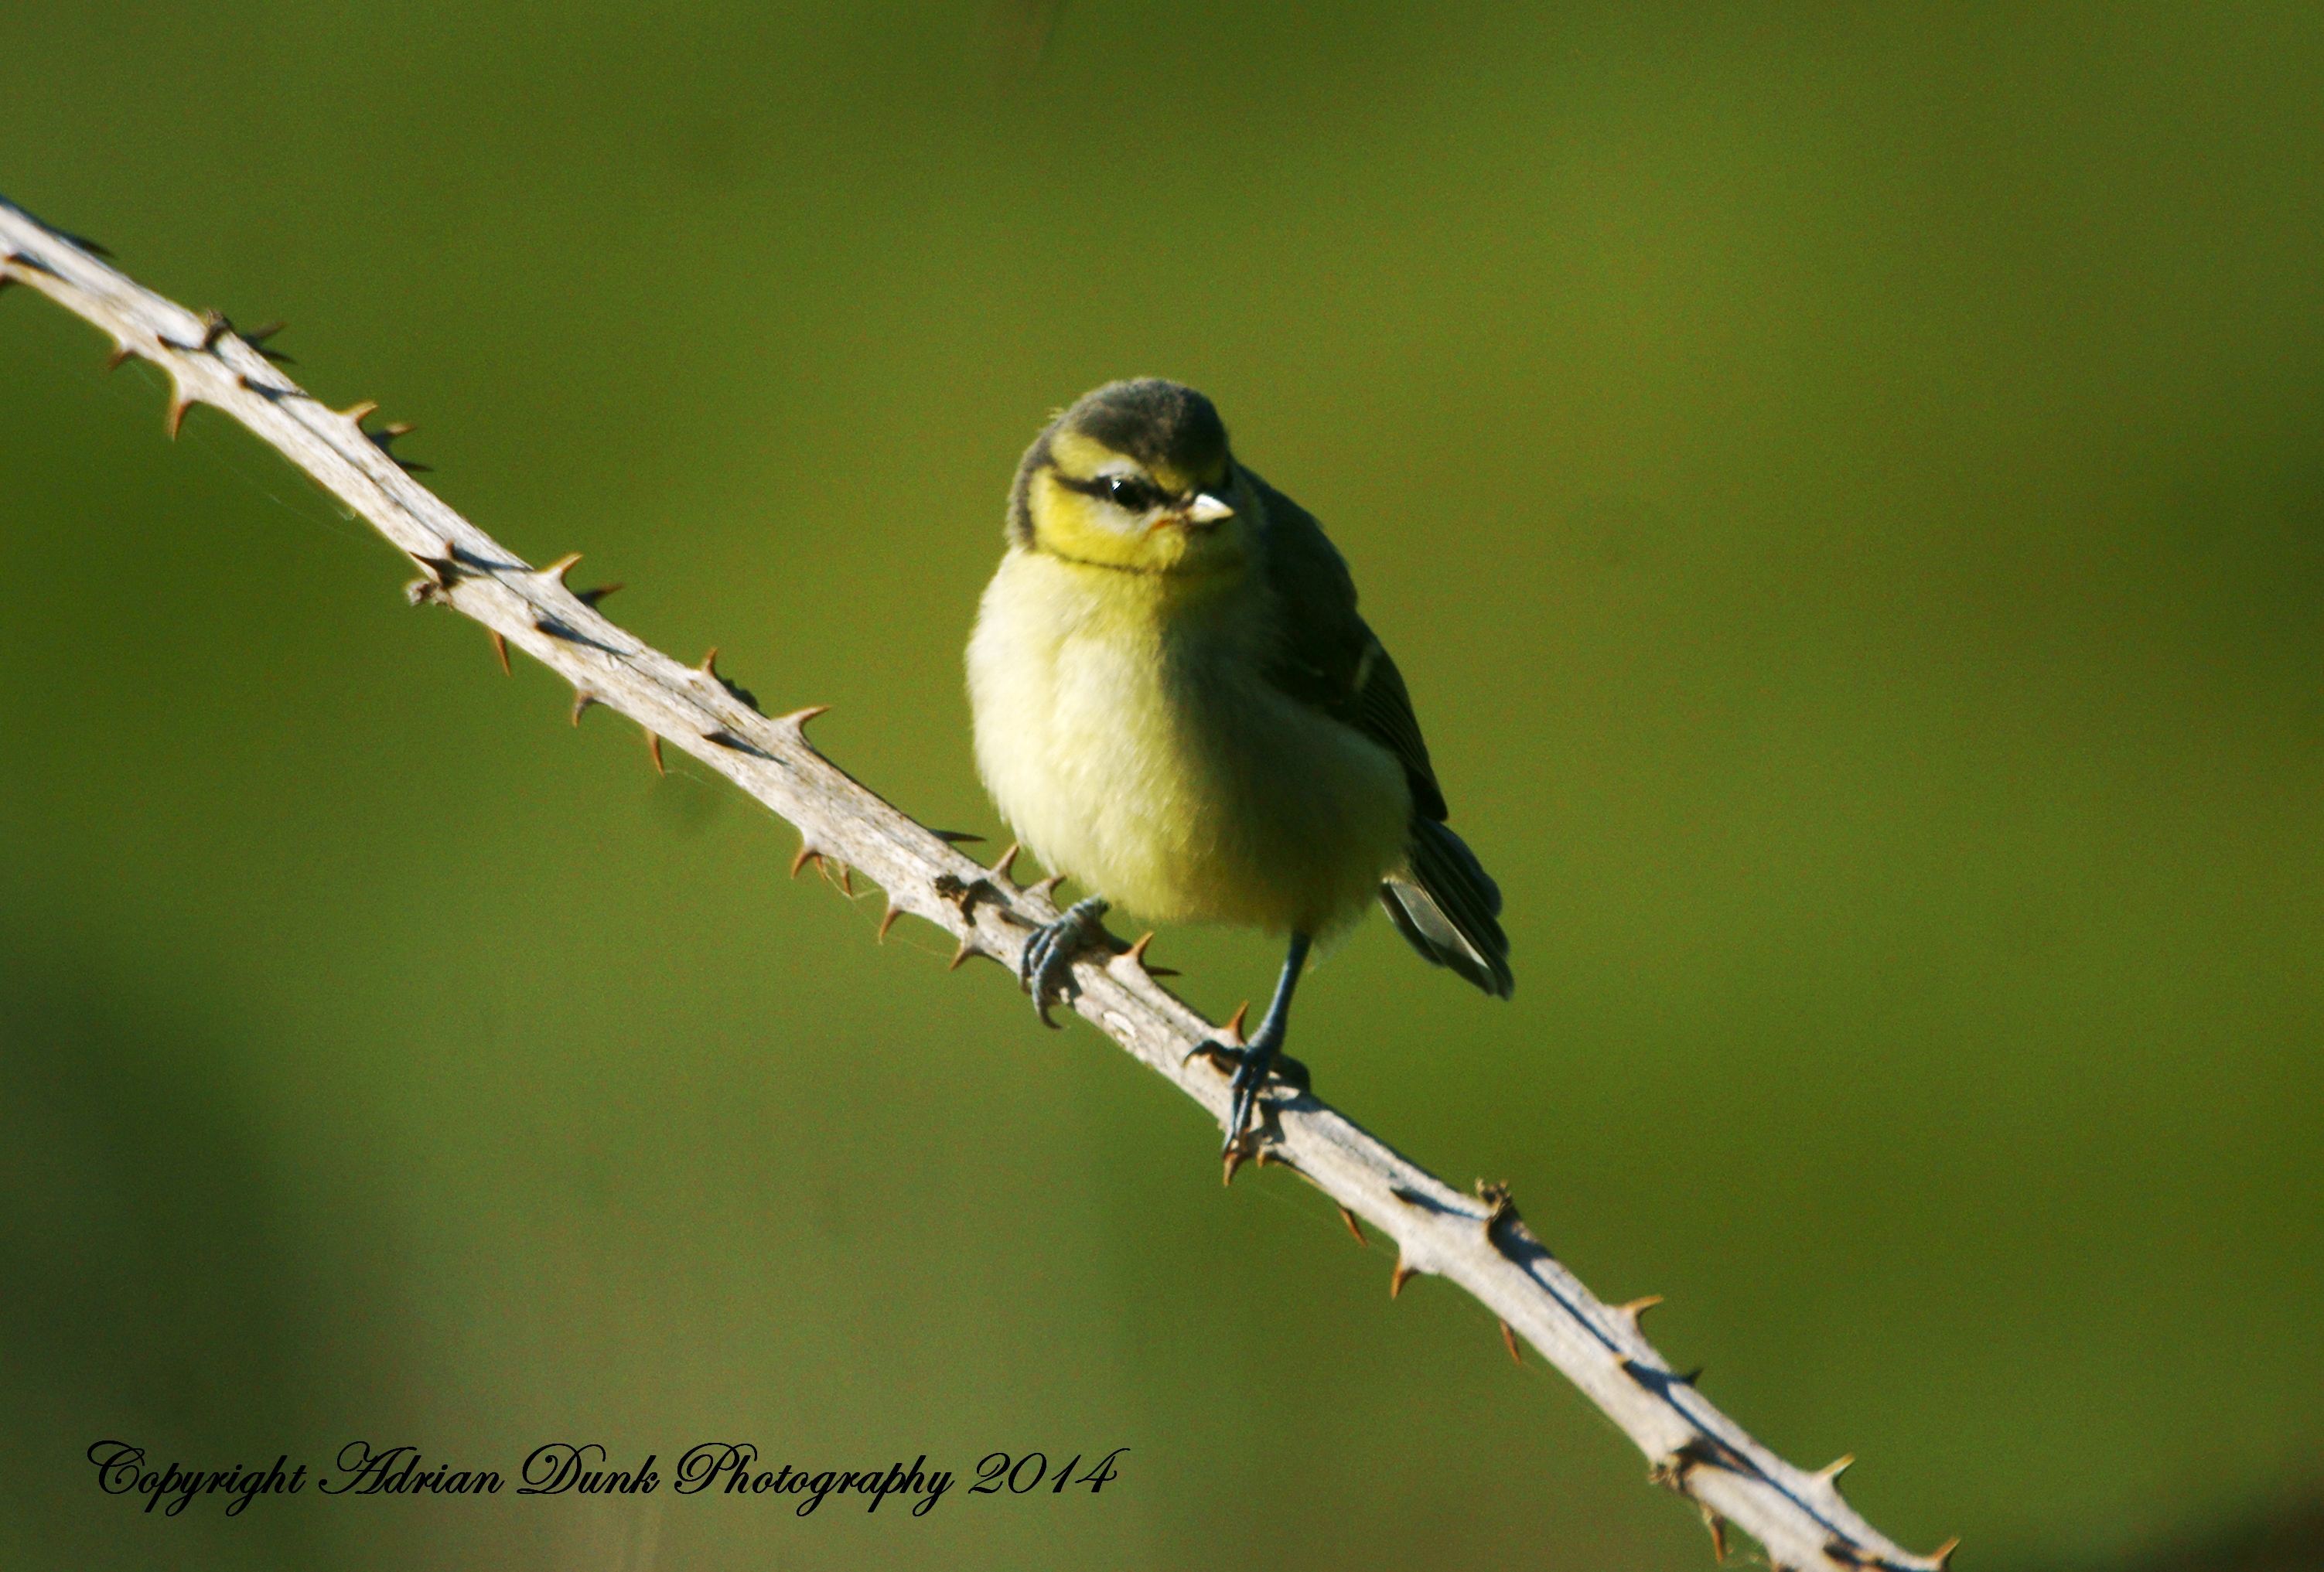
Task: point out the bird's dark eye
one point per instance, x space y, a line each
1129 492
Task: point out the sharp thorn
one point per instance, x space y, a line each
590 598
499 648
1718 1527
1232 1030
358 413
957 837
968 947
807 849
653 748
797 719
1943 1554
558 570
846 880
215 327
1234 1159
1047 888
1005 863
1136 954
1354 1227
179 404
888 920
1509 1341
1637 1308
1831 1472
257 336
121 355
582 699
709 667
1404 1273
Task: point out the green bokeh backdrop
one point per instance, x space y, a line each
1847 488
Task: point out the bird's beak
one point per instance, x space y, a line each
1207 510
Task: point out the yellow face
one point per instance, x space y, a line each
1091 505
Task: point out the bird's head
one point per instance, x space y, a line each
1135 476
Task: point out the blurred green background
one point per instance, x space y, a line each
1846 486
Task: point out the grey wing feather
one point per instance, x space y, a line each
1444 902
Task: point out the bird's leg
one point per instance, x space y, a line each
1263 1055
1048 958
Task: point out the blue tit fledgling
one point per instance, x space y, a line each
1178 705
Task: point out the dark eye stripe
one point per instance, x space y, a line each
1126 491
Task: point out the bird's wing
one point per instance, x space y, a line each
1442 901
1328 658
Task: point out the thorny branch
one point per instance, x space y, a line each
1476 1241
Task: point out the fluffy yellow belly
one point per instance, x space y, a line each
1129 741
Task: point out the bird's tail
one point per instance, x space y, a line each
1444 904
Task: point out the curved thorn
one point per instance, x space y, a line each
846 880
1005 864
180 402
888 920
1636 1309
653 748
1354 1227
709 667
968 947
797 719
499 648
1509 1341
1718 1527
807 849
1404 1273
558 570
582 699
1943 1554
1232 1031
1136 954
358 413
122 355
1831 1472
1047 888
1234 1159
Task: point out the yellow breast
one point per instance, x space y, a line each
1125 733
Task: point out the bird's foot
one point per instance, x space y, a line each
1047 963
1254 1063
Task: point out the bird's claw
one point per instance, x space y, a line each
1046 964
1255 1064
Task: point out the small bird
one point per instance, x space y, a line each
1177 706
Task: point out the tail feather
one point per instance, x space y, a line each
1445 904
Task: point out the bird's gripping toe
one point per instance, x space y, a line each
1254 1062
1047 963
